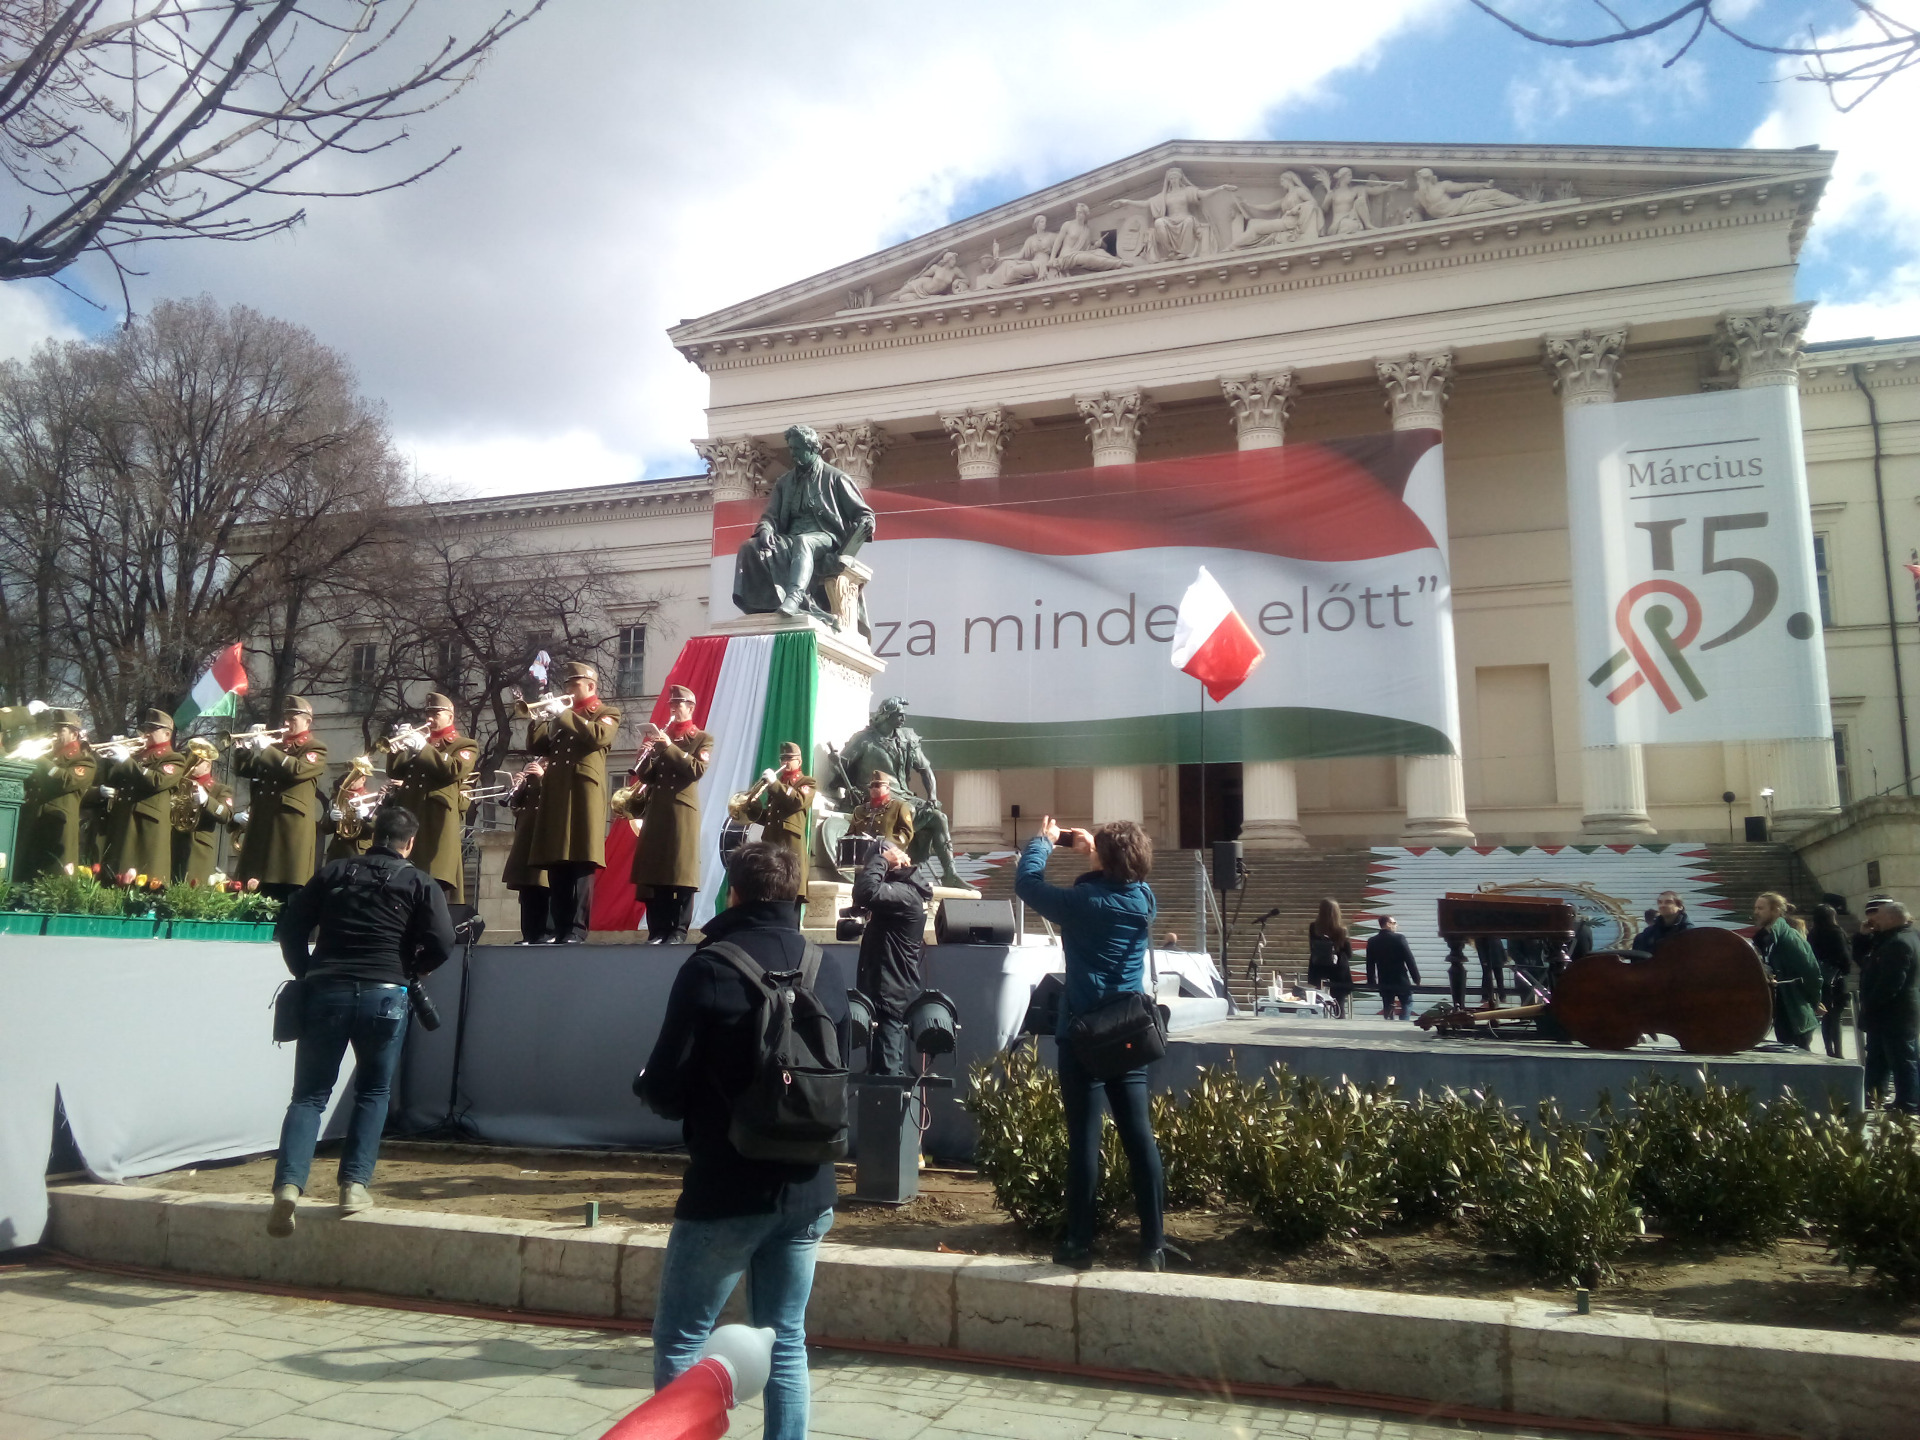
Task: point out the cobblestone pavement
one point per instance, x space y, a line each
99 1355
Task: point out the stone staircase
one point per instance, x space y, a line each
1293 881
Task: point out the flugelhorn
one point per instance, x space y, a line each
120 747
258 737
403 737
545 707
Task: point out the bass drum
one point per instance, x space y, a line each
856 850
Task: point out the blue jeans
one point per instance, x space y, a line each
373 1020
1127 1098
705 1260
1896 1058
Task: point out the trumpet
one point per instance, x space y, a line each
404 738
120 747
36 748
545 707
256 738
486 792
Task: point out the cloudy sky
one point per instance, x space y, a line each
628 163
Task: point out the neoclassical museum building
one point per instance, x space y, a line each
1204 298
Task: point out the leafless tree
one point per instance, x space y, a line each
167 119
1851 67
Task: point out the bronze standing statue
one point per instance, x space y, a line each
888 744
815 519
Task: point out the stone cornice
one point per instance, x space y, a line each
1238 275
684 495
1826 368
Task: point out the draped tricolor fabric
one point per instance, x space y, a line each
1029 620
752 692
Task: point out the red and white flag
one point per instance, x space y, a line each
1210 640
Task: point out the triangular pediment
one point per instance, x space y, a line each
1197 209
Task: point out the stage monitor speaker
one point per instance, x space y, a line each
974 922
1756 829
1227 874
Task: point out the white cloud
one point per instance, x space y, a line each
1871 201
626 166
29 316
1631 78
503 464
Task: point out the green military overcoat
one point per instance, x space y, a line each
283 810
668 852
786 819
1797 980
570 826
525 804
196 852
891 821
50 817
429 781
139 828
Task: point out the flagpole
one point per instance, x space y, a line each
1206 878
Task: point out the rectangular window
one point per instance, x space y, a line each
1821 581
448 667
1840 764
363 678
630 676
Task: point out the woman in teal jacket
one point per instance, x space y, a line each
1105 919
1797 981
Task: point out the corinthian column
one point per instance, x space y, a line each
1436 796
1269 788
1613 778
1764 349
1114 422
855 449
735 465
980 439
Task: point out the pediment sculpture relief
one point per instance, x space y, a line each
1186 221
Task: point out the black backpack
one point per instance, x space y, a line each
795 1107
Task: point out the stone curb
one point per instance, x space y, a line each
1518 1356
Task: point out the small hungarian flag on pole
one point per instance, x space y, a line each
215 691
1210 640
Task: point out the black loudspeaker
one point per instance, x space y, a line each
974 922
1227 874
1756 829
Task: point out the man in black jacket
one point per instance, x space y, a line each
1390 967
896 900
736 1216
382 925
1669 919
1890 1005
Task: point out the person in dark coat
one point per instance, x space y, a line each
666 802
139 838
1330 954
736 1216
50 817
282 828
570 825
1493 966
1791 967
1391 969
1890 1005
1830 948
529 881
895 900
1669 919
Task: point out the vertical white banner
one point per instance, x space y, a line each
1696 612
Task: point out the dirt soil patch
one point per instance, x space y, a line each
1793 1283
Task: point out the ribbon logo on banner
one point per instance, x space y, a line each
1658 620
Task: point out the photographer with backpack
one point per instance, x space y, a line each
751 1061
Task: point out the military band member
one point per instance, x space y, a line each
536 919
50 817
201 807
666 861
283 802
349 820
570 827
139 826
883 813
429 773
20 722
786 808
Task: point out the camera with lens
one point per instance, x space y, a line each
851 925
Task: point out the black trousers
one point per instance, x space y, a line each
669 910
570 898
536 919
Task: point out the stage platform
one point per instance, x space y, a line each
1520 1072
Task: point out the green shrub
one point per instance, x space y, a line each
252 906
1201 1134
1444 1149
1314 1159
1715 1165
6 895
1866 1192
194 902
1564 1200
76 894
1022 1146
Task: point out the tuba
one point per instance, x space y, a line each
745 806
348 814
187 802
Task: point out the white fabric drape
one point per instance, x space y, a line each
734 718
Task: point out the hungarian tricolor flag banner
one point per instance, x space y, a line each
215 692
1210 640
1029 620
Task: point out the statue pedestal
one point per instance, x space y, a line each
847 667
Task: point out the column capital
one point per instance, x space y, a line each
1417 388
856 449
736 465
980 439
1260 406
1764 348
1114 421
1585 367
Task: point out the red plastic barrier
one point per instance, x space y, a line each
694 1407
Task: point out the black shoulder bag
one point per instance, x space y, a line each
1125 1032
